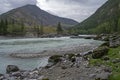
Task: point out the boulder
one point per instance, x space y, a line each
107 69
102 76
117 60
114 41
16 74
12 68
50 64
55 59
105 44
1 76
106 58
100 52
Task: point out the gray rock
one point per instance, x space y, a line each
12 68
17 74
108 69
102 76
11 78
6 75
116 60
26 73
92 75
1 76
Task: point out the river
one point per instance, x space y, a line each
35 45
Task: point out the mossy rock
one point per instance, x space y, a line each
100 52
70 56
55 59
105 44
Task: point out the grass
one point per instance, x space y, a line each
113 54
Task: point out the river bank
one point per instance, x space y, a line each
60 67
63 70
83 49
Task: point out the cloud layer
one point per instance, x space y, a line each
75 9
6 5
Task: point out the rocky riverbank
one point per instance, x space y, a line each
68 66
61 67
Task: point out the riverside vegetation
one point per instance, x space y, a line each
111 58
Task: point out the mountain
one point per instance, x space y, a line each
31 14
105 20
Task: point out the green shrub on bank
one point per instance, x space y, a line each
113 62
115 76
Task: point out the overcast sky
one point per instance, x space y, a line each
75 9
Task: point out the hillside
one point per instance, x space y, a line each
105 20
31 14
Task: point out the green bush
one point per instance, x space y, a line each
115 76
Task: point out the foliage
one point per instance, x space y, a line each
3 27
113 54
10 28
59 28
115 76
105 20
49 29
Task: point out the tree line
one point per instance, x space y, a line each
11 27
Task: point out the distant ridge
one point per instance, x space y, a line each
105 20
31 14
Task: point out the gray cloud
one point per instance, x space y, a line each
6 5
75 9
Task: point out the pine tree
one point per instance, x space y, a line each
22 27
5 27
1 27
59 28
41 29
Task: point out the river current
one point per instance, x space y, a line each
34 45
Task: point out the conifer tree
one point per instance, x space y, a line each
59 28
